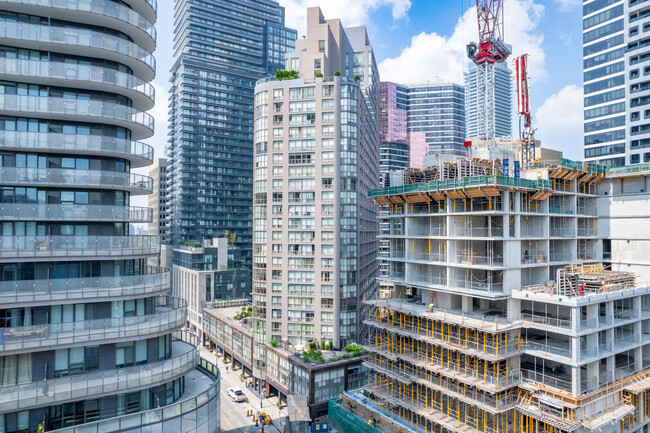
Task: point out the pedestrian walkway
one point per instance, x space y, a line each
232 378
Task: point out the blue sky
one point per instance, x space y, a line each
420 40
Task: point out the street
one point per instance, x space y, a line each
233 415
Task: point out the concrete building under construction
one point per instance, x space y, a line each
504 318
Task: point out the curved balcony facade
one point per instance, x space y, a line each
102 383
139 154
84 107
198 413
138 122
79 247
82 77
154 281
87 43
66 178
169 316
96 12
74 213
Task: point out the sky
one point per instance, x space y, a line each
417 41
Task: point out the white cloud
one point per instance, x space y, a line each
351 13
431 55
567 5
560 121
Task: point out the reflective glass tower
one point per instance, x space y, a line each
617 89
85 325
503 101
221 49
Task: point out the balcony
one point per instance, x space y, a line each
115 15
82 247
138 122
74 212
200 411
67 178
81 42
47 291
140 154
102 383
90 77
171 314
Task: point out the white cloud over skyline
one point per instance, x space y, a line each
432 56
351 13
560 120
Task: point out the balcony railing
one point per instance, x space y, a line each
191 410
93 385
44 34
16 247
109 9
141 154
74 212
554 382
171 314
63 177
154 280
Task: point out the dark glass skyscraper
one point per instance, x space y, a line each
221 49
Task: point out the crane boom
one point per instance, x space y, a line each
491 49
523 104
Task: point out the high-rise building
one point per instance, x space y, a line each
159 201
393 132
616 86
503 101
436 120
316 153
504 319
85 325
221 49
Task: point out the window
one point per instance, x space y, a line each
317 63
278 94
635 159
321 46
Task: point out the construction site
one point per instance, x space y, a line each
503 317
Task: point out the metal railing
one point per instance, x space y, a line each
13 247
92 385
171 314
88 73
546 321
467 182
65 177
44 34
153 280
74 212
110 9
554 382
564 350
168 415
427 257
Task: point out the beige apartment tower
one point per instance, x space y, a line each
316 155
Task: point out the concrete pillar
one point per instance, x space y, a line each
592 375
610 368
575 380
514 308
468 307
506 197
638 358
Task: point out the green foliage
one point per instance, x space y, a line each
337 74
274 342
244 313
330 345
357 78
193 244
353 347
319 75
285 75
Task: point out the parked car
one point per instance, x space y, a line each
236 394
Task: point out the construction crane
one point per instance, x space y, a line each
490 50
527 135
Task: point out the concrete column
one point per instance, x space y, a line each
592 375
575 380
514 308
638 358
506 197
468 307
610 367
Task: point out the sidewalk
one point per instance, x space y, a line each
233 379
